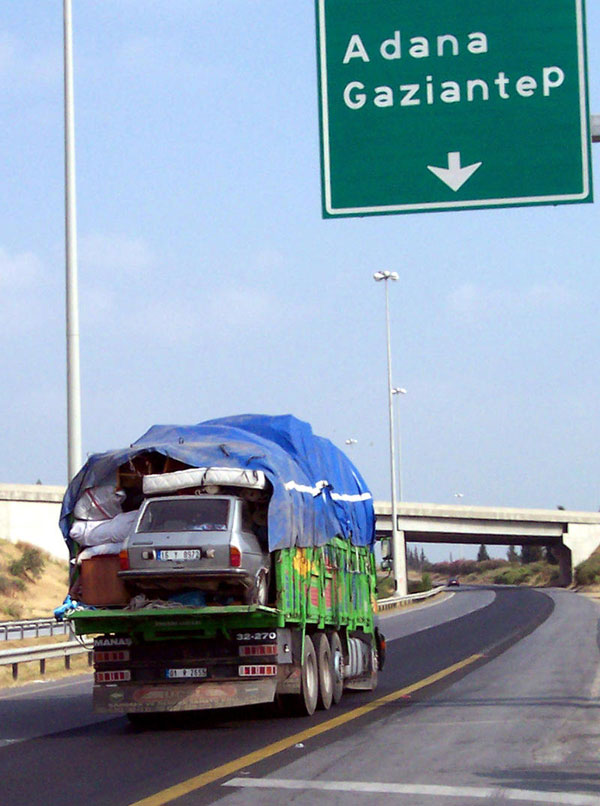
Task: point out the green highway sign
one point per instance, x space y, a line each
448 105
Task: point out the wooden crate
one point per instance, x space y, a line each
100 585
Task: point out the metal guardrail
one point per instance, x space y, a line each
13 657
402 601
32 626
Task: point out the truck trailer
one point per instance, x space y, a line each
222 564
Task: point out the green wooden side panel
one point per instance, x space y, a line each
330 586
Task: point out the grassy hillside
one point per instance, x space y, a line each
470 572
495 572
32 582
587 573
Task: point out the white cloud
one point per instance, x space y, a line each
28 292
20 67
471 302
208 317
19 271
8 52
106 254
269 259
163 60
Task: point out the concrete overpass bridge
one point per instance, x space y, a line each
573 536
30 512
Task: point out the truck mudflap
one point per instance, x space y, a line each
157 697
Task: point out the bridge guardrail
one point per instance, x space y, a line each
29 625
13 657
399 601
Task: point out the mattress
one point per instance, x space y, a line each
203 477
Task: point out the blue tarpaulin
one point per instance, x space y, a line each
318 494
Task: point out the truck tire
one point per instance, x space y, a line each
325 671
337 667
374 669
304 703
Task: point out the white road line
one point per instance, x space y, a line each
527 795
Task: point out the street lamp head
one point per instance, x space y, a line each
398 390
385 275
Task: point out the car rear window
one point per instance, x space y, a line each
185 515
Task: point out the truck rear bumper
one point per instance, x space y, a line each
154 698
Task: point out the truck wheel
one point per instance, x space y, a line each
337 667
374 669
304 703
325 670
307 699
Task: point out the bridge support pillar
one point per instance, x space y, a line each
582 540
565 564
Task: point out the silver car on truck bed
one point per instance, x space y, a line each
210 543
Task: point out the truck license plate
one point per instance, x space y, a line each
179 554
179 673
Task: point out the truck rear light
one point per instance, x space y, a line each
258 649
235 557
124 560
257 671
113 677
110 656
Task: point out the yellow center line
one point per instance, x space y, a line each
198 781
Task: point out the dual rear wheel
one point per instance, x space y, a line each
322 681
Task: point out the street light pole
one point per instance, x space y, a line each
72 303
399 390
399 547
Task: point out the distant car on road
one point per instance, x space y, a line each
453 582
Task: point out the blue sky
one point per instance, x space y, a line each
211 285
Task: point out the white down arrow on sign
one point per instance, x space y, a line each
454 176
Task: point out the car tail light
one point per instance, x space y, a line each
235 557
124 560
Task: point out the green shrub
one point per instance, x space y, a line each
29 565
513 576
7 585
588 572
420 586
12 610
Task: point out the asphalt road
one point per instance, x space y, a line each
488 696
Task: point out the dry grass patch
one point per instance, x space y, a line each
25 594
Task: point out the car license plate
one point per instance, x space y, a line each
179 554
186 673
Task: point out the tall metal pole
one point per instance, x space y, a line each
398 390
398 543
72 302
